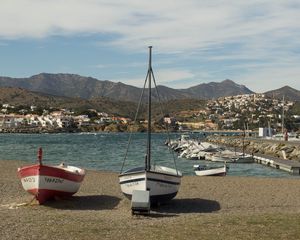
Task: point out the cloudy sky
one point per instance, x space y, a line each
255 43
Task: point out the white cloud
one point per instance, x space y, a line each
171 76
173 25
222 32
134 81
100 66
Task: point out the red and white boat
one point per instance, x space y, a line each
46 182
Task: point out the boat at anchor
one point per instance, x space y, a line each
204 170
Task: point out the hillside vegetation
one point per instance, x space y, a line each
21 98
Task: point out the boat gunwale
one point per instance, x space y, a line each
68 169
149 171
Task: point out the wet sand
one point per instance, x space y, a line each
205 208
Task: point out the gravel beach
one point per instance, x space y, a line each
205 208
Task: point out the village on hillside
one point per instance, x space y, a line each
248 111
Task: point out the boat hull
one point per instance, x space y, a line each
218 158
46 182
212 172
244 159
163 186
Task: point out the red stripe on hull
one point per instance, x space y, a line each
43 195
50 171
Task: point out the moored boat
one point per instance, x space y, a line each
222 158
46 182
244 158
204 170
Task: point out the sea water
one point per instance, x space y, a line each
106 151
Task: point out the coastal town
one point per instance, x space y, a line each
247 111
149 120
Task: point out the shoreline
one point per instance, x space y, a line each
37 130
236 207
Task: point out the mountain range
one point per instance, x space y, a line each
88 88
22 98
75 86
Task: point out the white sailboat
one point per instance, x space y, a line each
162 182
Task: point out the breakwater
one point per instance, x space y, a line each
280 149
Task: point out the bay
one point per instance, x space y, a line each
106 151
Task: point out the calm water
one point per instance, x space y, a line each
105 151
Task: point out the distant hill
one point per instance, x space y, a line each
75 86
22 97
217 89
71 85
19 96
286 91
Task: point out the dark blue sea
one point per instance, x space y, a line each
106 151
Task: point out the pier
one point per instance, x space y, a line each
283 155
286 165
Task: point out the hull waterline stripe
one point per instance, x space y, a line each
143 171
163 181
151 179
133 180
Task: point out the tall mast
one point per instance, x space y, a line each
148 162
282 118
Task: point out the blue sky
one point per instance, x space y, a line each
254 43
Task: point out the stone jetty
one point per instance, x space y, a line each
192 149
280 149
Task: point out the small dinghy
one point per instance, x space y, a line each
204 170
46 182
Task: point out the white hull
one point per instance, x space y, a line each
244 159
49 183
212 172
220 158
162 182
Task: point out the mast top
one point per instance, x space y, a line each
150 65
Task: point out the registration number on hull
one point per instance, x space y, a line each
29 179
53 180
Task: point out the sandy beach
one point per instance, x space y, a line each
205 208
